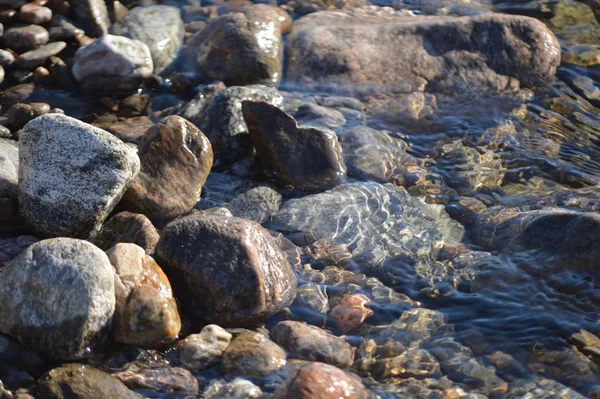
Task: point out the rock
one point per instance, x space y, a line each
312 297
25 38
258 204
92 15
316 115
58 297
225 269
540 388
222 188
6 58
307 342
222 121
11 247
176 158
242 48
62 29
112 63
200 351
38 57
9 168
351 312
127 227
321 381
160 27
237 388
32 13
252 354
305 158
78 381
71 175
357 51
20 114
146 312
163 379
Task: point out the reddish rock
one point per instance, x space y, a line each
351 312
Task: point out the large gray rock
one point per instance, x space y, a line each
9 168
58 297
71 175
243 48
371 53
225 269
112 63
160 27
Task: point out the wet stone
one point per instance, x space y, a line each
237 388
175 157
252 354
200 351
146 312
38 57
25 38
306 158
20 114
351 312
417 363
306 342
258 204
127 227
9 168
32 13
71 175
66 300
312 297
92 15
165 380
225 269
319 116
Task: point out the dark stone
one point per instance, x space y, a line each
92 15
258 204
129 228
316 115
38 57
25 38
252 354
305 158
20 114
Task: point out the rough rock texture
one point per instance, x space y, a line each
71 175
307 342
127 227
112 63
225 269
10 248
175 159
222 121
92 15
160 27
321 381
252 354
380 224
357 50
162 379
58 297
237 388
146 313
243 48
199 351
258 204
9 168
77 381
305 158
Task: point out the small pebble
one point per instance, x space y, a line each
32 13
25 38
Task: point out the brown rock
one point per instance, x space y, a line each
321 381
37 57
306 158
199 351
146 312
252 354
226 269
19 114
25 38
164 379
176 158
127 227
351 312
32 13
306 342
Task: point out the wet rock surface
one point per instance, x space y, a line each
127 227
199 351
252 354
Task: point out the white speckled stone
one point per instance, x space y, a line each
58 297
71 175
9 166
112 63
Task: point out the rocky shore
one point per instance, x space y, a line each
299 199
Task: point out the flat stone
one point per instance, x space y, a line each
307 342
112 63
25 38
32 13
161 379
372 53
58 297
9 168
92 15
38 57
306 158
71 175
252 354
160 27
127 227
200 351
176 157
225 269
146 313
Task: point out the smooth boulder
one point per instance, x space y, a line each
176 158
308 158
225 269
71 175
159 26
366 52
58 297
